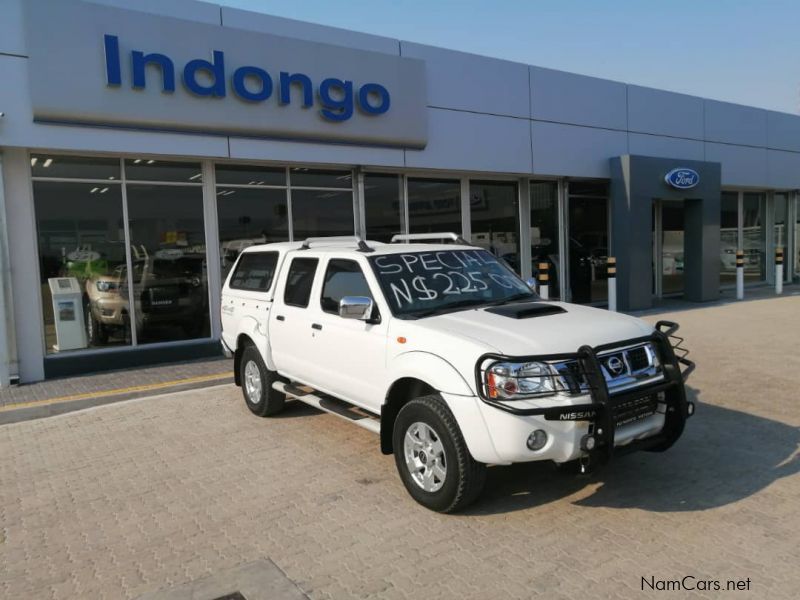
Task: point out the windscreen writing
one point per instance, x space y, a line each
429 280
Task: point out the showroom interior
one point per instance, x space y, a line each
124 207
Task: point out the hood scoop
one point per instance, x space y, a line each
527 310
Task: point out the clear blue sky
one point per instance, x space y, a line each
742 51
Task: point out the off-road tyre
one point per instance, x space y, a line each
464 478
261 398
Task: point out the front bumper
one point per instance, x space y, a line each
596 424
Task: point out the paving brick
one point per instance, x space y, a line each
151 494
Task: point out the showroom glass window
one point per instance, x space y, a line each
545 233
754 236
168 251
252 208
588 241
494 213
728 237
780 231
322 202
797 237
434 205
383 206
81 241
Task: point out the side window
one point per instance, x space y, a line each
342 278
299 281
254 271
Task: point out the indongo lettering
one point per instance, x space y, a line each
207 78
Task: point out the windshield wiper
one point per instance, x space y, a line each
514 298
474 303
453 306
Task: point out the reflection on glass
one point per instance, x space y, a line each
797 238
588 246
81 237
74 167
250 175
754 241
672 247
148 169
728 234
249 216
170 284
544 232
781 231
494 210
317 213
434 205
382 206
304 177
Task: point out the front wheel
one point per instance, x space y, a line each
432 458
259 395
96 333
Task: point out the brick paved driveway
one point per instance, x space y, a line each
126 499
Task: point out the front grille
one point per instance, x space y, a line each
638 358
631 367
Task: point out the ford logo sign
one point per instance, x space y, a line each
683 179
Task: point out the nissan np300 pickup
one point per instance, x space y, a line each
446 354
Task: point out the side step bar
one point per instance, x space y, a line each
328 404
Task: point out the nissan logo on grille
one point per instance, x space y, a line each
615 366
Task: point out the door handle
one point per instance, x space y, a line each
316 326
280 317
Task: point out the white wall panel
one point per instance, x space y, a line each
244 19
469 82
577 151
285 151
666 147
567 98
190 10
741 165
664 113
783 131
469 141
783 169
18 129
12 39
25 285
735 124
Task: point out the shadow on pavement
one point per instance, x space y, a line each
723 456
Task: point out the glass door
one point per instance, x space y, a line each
668 248
588 249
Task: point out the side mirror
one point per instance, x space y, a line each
531 281
355 307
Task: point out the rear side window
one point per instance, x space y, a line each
299 280
342 278
254 271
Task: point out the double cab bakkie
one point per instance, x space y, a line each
443 351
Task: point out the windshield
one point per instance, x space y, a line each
419 284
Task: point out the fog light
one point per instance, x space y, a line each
690 408
537 439
588 442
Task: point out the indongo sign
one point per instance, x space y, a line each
682 179
249 83
91 64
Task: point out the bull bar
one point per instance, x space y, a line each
600 411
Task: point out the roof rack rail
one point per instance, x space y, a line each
445 235
338 239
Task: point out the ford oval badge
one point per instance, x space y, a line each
683 179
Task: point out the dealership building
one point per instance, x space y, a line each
140 151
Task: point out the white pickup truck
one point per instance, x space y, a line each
442 350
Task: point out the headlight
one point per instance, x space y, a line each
106 286
512 381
